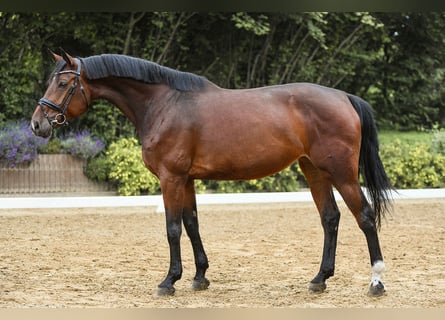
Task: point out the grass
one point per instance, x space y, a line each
410 137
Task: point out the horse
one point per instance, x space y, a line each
190 129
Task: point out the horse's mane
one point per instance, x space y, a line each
116 65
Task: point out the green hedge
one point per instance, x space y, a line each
413 166
126 168
408 165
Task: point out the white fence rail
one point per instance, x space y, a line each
150 201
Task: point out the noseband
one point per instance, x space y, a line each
60 118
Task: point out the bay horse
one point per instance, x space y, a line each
192 129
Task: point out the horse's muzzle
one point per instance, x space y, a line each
41 128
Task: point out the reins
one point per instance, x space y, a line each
60 118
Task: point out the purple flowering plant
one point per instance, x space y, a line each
18 144
82 144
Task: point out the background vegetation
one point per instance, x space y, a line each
394 60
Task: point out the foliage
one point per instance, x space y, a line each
259 26
438 142
18 144
108 123
127 169
411 69
409 161
20 66
413 165
289 179
53 146
392 59
82 144
123 165
98 169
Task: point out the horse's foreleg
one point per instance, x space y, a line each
321 189
190 219
173 191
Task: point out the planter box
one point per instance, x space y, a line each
48 173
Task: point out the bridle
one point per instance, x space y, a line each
60 118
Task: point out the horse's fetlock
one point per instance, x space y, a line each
328 272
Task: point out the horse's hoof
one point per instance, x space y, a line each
317 287
200 284
376 290
165 291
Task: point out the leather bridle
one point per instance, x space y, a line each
60 118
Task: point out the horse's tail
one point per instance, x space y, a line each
370 165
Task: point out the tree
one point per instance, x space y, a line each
393 60
410 90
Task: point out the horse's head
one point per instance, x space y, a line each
65 98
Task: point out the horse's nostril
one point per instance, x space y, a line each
35 126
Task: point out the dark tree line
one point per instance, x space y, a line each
393 60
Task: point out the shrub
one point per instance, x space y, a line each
18 144
413 166
288 179
408 165
52 147
97 169
126 168
82 144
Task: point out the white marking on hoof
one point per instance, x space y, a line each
377 271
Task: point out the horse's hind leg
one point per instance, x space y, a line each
321 189
190 220
365 217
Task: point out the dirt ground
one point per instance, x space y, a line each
260 256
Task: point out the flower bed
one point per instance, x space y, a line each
24 170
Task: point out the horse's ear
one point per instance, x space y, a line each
68 59
55 56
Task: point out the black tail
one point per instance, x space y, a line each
376 181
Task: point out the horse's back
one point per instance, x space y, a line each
250 133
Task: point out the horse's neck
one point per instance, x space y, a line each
130 96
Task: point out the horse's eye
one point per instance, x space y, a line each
63 84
